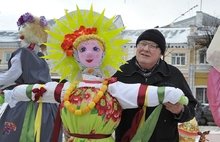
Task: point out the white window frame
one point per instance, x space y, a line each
178 59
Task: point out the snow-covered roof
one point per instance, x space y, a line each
9 36
172 35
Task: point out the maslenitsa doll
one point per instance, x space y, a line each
86 48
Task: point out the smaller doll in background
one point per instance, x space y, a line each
26 67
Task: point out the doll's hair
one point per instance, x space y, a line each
80 39
33 30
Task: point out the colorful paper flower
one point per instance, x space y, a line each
9 126
27 17
67 44
43 21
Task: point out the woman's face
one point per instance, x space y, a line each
90 53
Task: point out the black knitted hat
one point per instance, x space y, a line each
155 36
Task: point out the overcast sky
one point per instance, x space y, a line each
136 14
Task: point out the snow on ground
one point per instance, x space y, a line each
212 129
213 136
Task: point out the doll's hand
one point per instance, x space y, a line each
174 95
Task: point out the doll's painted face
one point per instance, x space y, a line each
90 53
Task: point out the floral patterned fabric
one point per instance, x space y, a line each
102 119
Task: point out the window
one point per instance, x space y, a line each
202 57
6 57
178 59
201 95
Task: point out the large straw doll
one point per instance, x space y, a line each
86 49
85 54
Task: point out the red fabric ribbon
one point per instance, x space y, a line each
111 80
38 93
92 81
57 92
31 46
127 137
57 126
90 136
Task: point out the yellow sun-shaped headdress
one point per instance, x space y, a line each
83 22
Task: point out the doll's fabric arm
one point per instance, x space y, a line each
130 95
8 78
51 92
